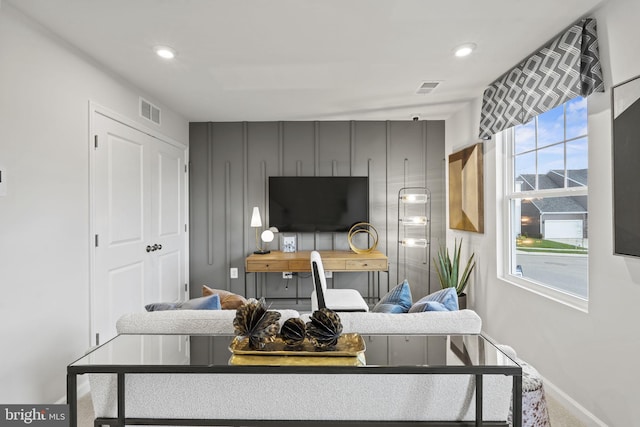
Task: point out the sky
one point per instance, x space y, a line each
547 146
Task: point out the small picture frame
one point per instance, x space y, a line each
288 243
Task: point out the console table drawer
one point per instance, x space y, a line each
334 265
277 261
300 265
367 264
262 266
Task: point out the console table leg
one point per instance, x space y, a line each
121 407
478 400
72 399
517 401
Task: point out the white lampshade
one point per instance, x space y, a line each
256 221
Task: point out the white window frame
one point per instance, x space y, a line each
505 139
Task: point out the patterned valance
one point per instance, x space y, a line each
567 67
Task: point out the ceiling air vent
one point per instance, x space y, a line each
149 111
427 87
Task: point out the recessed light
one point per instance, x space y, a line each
464 49
165 52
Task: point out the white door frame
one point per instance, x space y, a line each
95 108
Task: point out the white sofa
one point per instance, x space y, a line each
433 397
221 322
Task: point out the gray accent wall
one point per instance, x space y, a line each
230 166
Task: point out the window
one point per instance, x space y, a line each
546 203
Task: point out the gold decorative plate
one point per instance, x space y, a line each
349 345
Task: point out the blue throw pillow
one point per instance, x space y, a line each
443 300
397 300
211 302
161 306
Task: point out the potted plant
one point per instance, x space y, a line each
448 270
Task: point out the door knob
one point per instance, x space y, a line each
155 247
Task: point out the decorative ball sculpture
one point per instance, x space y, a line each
324 328
293 331
254 321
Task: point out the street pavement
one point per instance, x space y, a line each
568 273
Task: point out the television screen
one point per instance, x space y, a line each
626 151
310 203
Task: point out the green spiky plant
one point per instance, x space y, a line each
448 269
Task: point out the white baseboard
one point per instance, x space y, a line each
577 410
83 389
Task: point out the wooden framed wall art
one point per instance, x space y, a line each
466 189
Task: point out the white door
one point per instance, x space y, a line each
167 223
139 223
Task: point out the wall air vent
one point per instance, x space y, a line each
427 87
149 111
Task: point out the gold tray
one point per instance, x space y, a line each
262 360
349 345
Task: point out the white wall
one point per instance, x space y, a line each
45 89
591 357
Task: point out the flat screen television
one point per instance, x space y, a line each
626 151
311 203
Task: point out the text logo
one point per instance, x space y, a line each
34 415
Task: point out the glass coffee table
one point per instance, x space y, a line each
387 355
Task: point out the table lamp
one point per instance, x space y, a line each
256 222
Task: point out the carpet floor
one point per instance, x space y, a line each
85 411
560 416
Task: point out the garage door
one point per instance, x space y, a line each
559 229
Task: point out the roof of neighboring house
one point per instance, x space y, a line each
558 205
575 177
555 179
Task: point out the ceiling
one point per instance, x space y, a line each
271 60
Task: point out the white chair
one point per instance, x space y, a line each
333 299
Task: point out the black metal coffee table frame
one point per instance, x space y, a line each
122 370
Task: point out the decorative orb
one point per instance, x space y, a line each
324 329
293 331
255 322
267 236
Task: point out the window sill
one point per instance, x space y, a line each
552 294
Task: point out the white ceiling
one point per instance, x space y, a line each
269 60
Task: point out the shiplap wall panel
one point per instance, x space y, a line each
299 149
435 175
198 205
334 149
227 190
230 166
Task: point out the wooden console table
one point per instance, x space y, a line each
299 262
